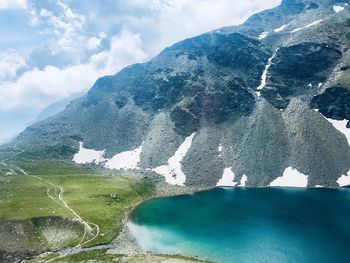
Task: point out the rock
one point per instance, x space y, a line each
207 85
115 196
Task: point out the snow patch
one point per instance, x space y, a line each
264 75
228 178
314 23
220 148
292 178
319 186
344 180
338 8
297 29
340 126
172 171
125 160
309 25
310 85
280 28
263 35
85 156
243 181
320 84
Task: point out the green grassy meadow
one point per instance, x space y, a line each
86 191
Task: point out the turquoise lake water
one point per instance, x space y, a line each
249 225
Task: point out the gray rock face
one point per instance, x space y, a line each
260 146
160 143
203 164
333 103
297 70
317 149
208 85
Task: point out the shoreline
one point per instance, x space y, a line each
125 243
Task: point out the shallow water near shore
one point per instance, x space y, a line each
248 225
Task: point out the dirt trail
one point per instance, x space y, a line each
88 227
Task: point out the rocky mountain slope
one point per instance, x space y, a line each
56 107
263 103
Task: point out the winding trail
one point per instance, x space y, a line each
89 228
3 162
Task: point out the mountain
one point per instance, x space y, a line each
263 103
56 107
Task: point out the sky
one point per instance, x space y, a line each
53 49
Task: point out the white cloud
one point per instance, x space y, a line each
66 26
10 63
94 43
174 20
126 48
37 88
13 4
141 29
162 21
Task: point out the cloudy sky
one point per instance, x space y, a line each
53 49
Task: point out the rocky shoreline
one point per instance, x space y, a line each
125 243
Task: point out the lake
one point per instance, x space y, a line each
248 225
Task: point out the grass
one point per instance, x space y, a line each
24 197
88 192
89 195
90 255
52 166
101 256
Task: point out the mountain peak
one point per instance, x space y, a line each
259 98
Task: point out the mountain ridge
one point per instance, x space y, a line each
210 86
